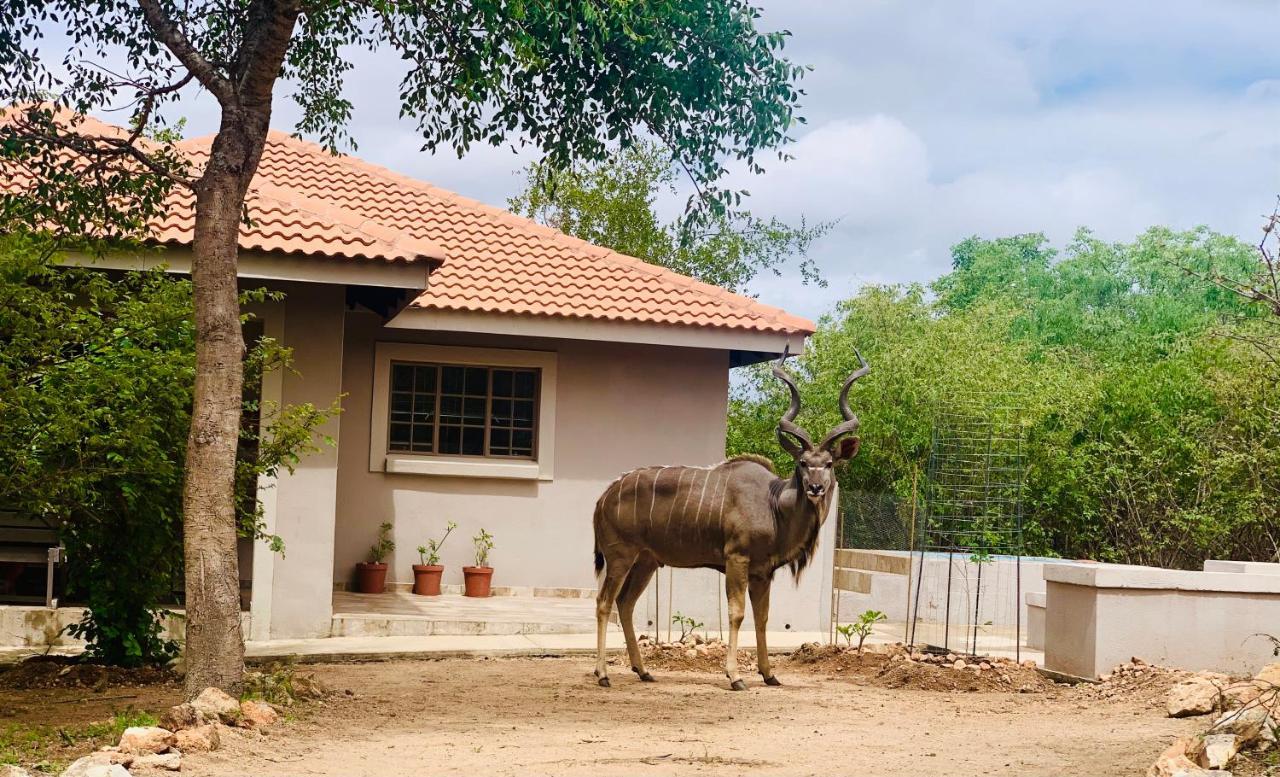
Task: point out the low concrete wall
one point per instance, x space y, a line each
1034 636
1246 567
1097 616
40 627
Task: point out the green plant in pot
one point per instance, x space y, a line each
479 578
371 575
426 575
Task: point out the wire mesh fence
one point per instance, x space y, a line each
968 539
872 520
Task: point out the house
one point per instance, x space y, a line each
493 372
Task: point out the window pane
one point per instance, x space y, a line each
450 410
523 414
524 384
522 442
477 380
474 410
450 439
401 406
499 438
422 439
425 379
401 377
400 437
473 441
502 382
451 380
501 412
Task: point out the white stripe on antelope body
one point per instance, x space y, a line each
738 517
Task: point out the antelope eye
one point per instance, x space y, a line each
828 464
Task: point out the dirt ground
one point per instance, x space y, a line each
548 717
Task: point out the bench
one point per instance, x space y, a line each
27 541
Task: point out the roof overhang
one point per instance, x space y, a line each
269 266
745 346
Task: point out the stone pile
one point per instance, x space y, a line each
194 727
1247 719
960 663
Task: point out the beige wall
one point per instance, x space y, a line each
618 406
301 509
1099 616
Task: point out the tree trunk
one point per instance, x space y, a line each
214 651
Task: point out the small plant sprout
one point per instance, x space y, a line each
429 554
687 625
484 543
383 547
861 627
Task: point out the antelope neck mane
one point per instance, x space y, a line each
797 558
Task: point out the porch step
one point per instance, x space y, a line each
874 561
853 580
354 625
398 614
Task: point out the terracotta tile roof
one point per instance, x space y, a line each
497 262
281 221
309 202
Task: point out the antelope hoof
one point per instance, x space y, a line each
604 682
737 685
645 677
771 680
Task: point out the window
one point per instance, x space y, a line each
455 409
460 411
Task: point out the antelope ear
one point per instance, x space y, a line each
847 448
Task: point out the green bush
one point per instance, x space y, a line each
1152 435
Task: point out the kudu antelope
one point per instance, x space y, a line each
737 517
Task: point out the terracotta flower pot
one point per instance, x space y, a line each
371 578
477 581
426 579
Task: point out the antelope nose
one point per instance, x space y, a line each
816 489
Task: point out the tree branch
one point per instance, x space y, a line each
195 63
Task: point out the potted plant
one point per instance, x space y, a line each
477 579
371 575
426 576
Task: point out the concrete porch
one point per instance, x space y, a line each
403 614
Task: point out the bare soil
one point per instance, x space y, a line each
58 691
548 717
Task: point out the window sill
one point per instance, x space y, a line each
428 465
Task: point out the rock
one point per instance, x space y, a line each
959 664
113 755
201 739
690 653
1029 664
308 686
1215 751
140 740
257 714
1173 762
701 649
1197 695
181 717
94 766
984 666
1269 674
215 704
1248 723
171 762
13 771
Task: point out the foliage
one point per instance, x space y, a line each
383 546
484 543
1150 438
613 203
688 626
95 396
20 743
861 628
429 554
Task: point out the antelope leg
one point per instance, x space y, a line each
637 581
615 575
735 584
759 588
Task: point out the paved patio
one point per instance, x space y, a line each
407 614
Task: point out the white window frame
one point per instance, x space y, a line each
380 460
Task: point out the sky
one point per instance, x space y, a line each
928 122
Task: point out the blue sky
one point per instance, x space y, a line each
930 121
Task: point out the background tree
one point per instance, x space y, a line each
567 76
614 203
95 402
1150 438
